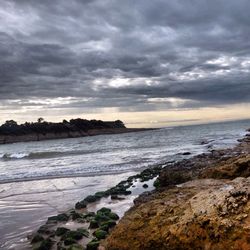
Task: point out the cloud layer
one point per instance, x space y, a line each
128 55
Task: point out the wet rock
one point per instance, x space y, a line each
99 195
101 218
104 228
126 192
100 234
93 245
116 197
156 183
186 153
91 198
81 204
104 210
113 216
83 231
45 245
61 231
69 241
76 235
109 223
76 247
89 214
75 215
37 238
59 217
52 218
145 185
93 224
45 229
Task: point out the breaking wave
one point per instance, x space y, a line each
45 154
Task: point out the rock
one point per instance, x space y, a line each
229 169
145 185
116 197
200 214
100 234
170 177
37 238
89 215
93 245
93 224
59 217
104 228
61 231
45 245
81 204
100 218
83 231
75 215
100 194
109 223
52 218
76 247
113 216
104 210
156 183
76 235
126 192
186 153
45 229
62 217
90 199
69 241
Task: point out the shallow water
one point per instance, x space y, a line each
24 206
31 190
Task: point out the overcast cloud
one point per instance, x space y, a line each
129 55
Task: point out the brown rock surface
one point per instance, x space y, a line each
200 214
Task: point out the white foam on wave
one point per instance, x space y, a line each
14 156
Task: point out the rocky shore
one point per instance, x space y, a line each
199 203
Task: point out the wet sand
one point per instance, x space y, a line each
24 206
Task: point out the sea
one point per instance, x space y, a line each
39 179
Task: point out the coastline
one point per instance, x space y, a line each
200 203
7 139
170 175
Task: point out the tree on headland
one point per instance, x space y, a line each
10 123
40 120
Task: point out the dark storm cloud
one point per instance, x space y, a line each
125 54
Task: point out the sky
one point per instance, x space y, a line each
149 63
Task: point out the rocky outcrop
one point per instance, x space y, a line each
200 214
200 203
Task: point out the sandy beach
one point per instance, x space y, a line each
28 205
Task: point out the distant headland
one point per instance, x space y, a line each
11 132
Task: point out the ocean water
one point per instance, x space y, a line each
39 179
106 154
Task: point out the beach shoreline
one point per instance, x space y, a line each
207 196
185 170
